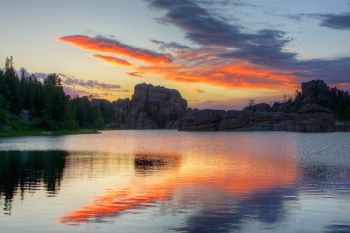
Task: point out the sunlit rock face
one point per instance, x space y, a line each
151 107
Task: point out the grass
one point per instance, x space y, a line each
38 132
16 128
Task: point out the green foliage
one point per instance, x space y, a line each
88 114
55 102
49 107
3 105
3 112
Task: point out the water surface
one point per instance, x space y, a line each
169 181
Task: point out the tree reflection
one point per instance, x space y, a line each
27 171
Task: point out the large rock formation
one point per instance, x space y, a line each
311 118
342 126
207 120
156 107
151 107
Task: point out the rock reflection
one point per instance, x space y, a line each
148 164
317 172
22 172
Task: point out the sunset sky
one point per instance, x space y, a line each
218 54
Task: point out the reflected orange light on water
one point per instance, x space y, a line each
160 177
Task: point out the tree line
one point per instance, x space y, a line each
329 97
46 104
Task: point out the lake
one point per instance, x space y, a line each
169 181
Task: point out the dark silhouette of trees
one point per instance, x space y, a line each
21 172
46 102
318 92
88 115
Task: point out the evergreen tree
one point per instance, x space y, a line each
11 84
3 112
54 103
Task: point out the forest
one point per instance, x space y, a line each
44 104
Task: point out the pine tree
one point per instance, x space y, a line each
11 84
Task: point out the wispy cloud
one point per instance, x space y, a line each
78 87
90 84
103 44
341 22
136 74
169 45
113 60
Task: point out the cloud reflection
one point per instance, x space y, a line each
165 177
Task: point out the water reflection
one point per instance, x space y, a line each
316 173
148 164
167 177
266 207
22 172
184 183
338 229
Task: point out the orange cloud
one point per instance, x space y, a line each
136 74
201 65
232 75
102 44
112 60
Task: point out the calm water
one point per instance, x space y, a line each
169 181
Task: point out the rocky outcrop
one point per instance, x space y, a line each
312 118
262 107
206 120
156 107
342 126
315 89
151 107
233 120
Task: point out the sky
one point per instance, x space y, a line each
218 54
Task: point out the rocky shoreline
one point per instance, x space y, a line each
156 107
312 118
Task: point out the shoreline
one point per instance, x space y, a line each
31 133
35 133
